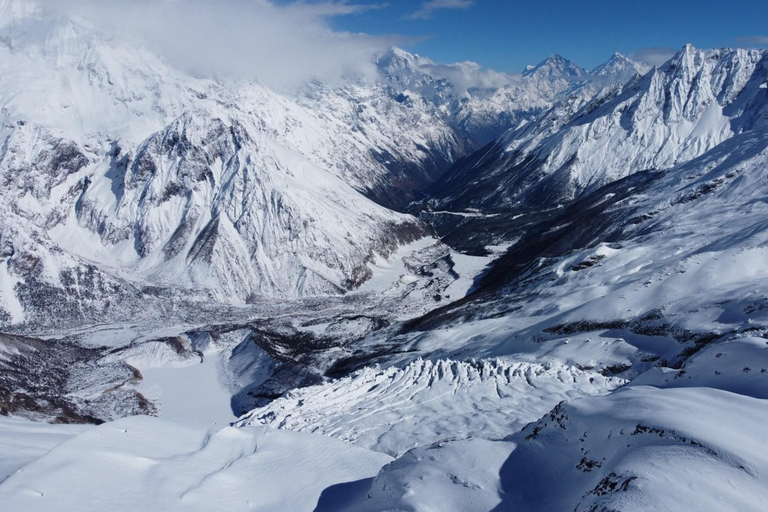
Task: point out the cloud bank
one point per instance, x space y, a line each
281 46
467 75
655 56
429 8
754 41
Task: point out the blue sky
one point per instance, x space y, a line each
283 43
508 34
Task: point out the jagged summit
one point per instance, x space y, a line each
395 62
620 66
674 113
555 66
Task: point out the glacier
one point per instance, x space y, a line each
440 289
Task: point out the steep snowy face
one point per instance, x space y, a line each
65 75
385 147
556 75
669 116
116 166
207 203
216 203
405 72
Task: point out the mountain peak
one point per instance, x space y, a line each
621 67
395 58
688 58
555 66
686 51
618 57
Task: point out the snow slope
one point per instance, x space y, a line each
154 464
616 295
23 441
635 449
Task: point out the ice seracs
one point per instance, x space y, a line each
395 410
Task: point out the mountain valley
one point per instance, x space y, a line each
545 291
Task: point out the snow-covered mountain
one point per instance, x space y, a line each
481 104
165 180
669 116
573 316
621 67
205 190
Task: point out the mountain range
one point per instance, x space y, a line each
439 289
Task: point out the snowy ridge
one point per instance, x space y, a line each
667 117
394 410
555 67
629 450
739 365
586 329
624 443
210 195
481 104
156 180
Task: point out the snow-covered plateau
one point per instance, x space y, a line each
547 292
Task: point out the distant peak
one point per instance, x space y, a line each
556 60
556 57
395 58
620 66
399 52
555 66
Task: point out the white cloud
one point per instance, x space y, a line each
754 41
655 56
279 45
467 75
429 8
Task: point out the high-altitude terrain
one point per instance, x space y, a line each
549 293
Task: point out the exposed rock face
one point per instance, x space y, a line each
65 383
